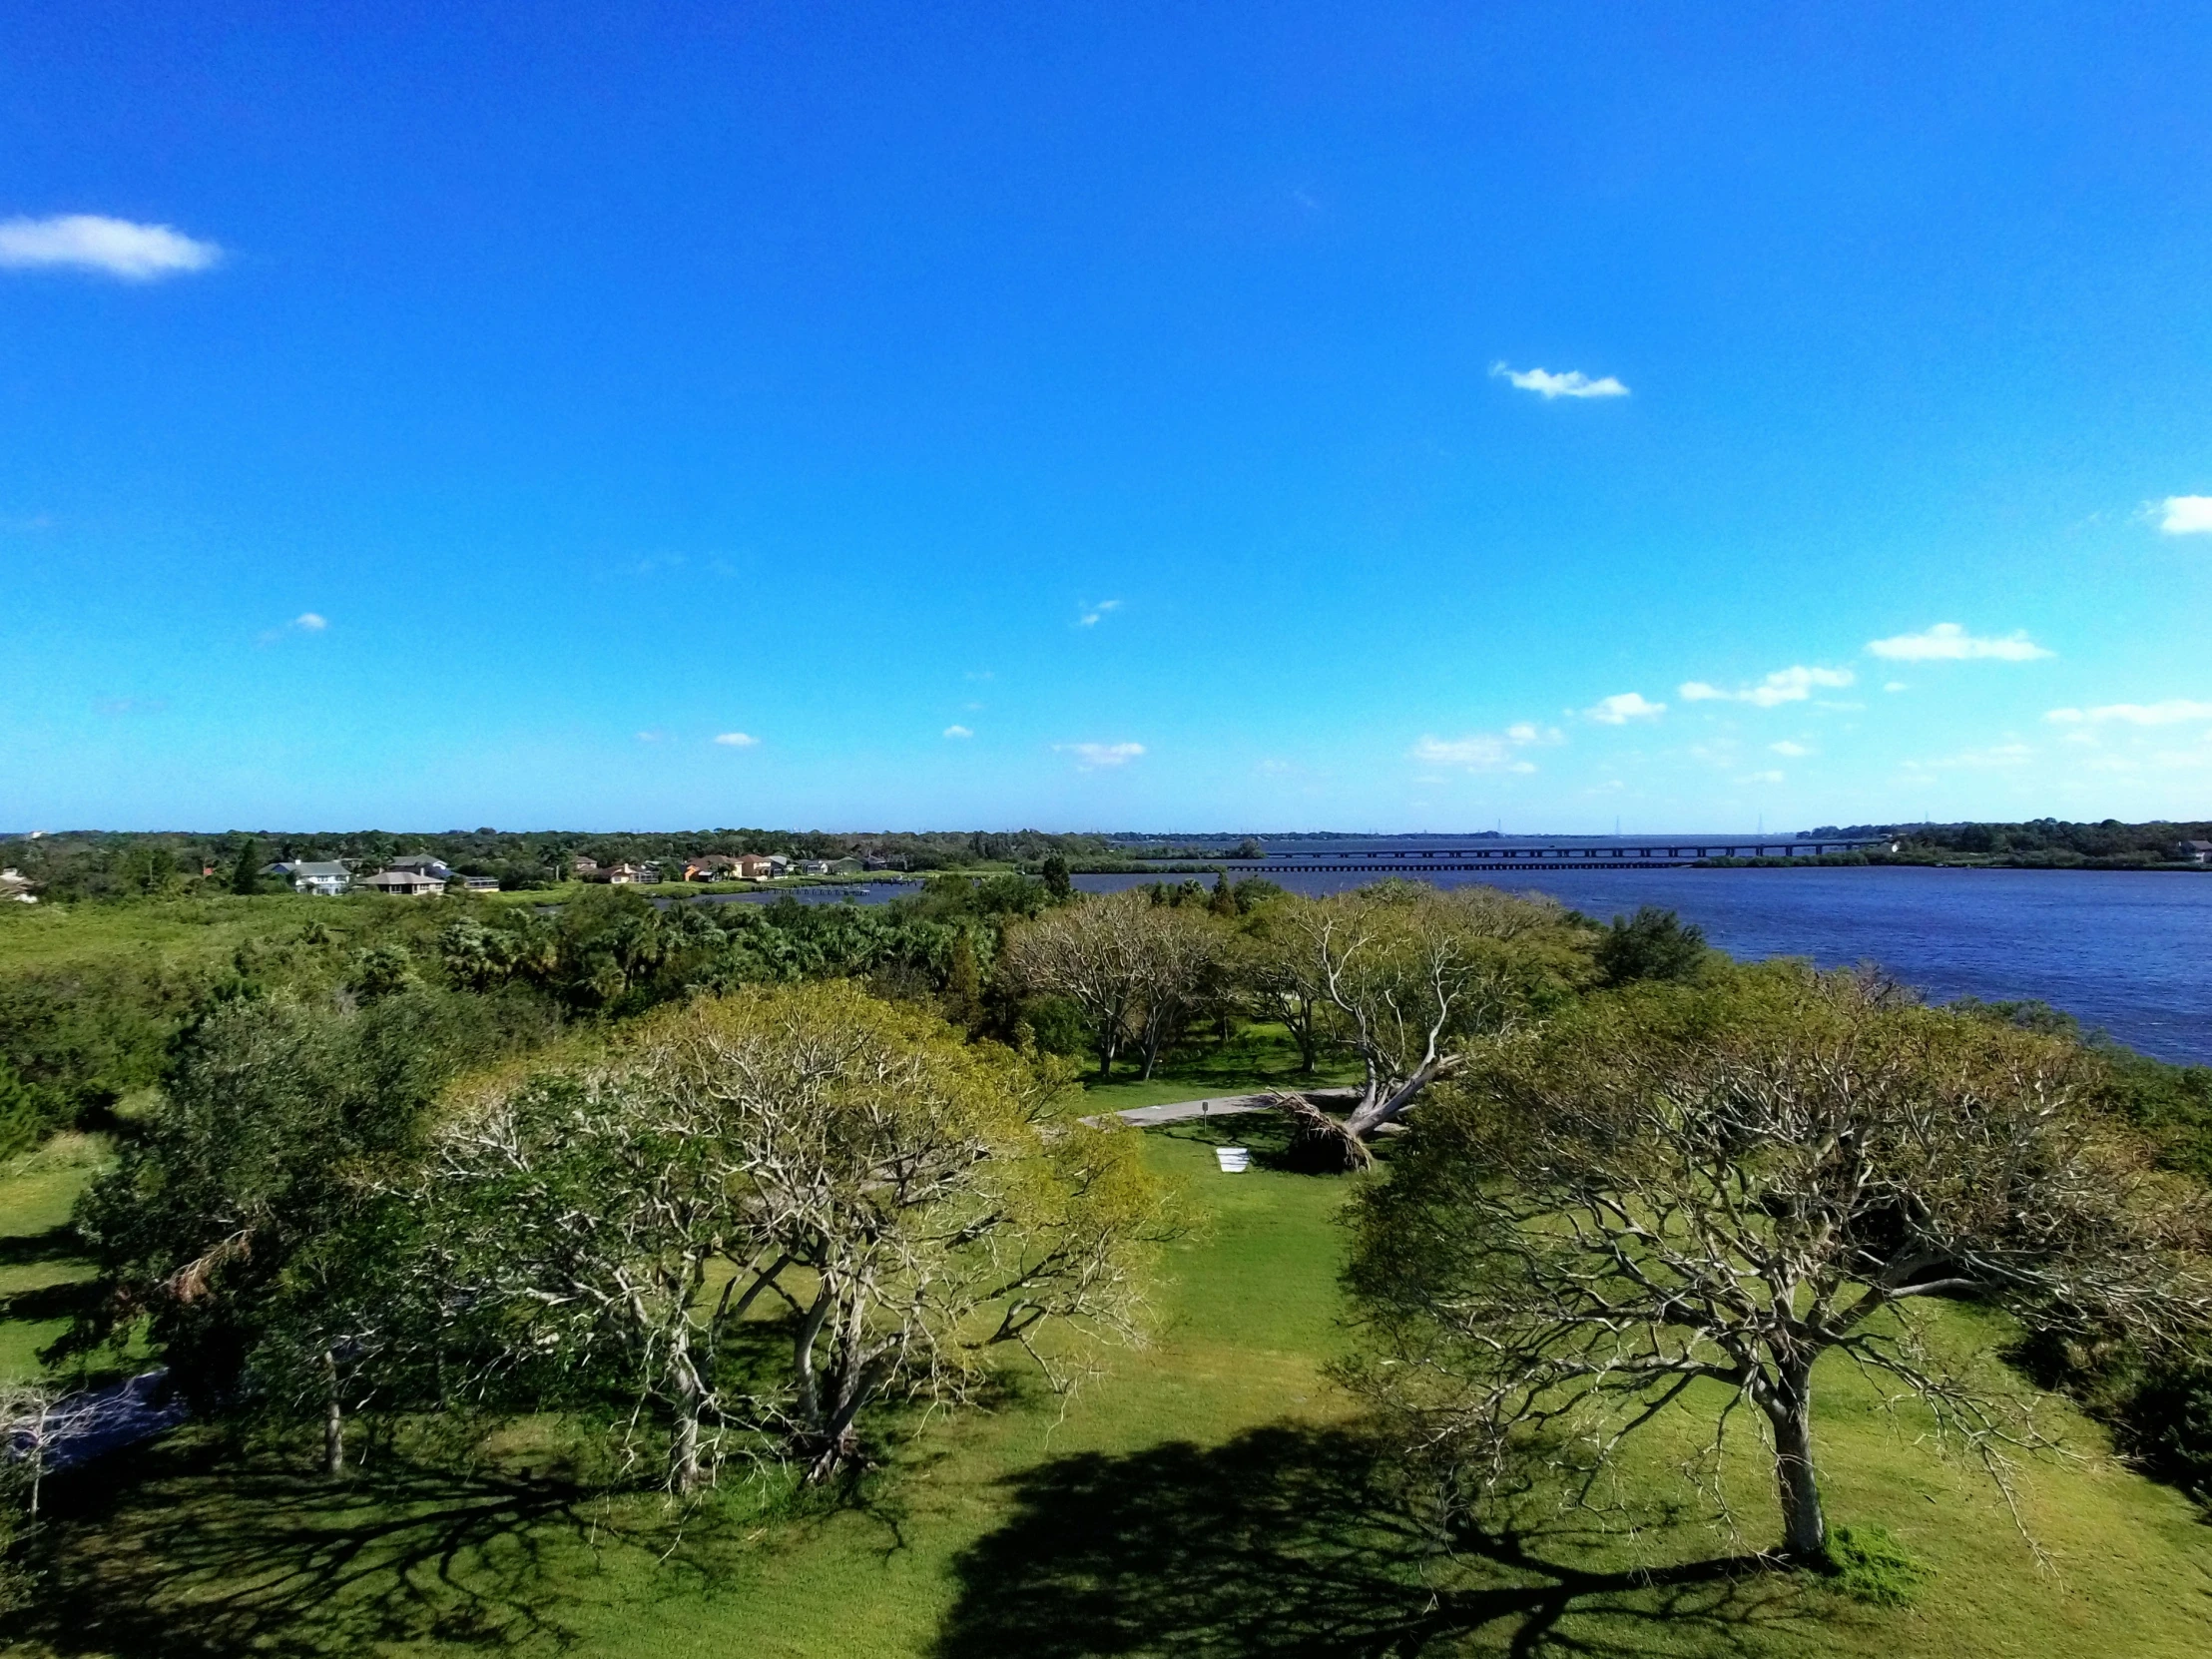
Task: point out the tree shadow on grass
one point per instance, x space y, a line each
56 1243
1287 1541
189 1550
1268 1136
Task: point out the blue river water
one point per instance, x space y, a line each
2125 952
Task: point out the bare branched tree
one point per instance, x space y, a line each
1410 979
575 1224
900 1194
1720 1186
1132 967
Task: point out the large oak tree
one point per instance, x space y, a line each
1684 1198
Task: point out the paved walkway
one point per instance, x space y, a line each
1221 1105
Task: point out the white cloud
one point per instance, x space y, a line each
1574 383
1090 618
1091 755
2172 712
1623 706
958 732
92 242
1486 751
738 740
307 622
1895 685
1784 684
1996 755
1795 751
1947 642
1761 777
2186 515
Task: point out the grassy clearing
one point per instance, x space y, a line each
41 1274
1257 1058
1210 1495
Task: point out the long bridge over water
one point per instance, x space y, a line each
1551 855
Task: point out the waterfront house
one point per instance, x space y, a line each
583 866
813 867
625 876
404 884
715 866
481 884
423 863
752 867
2196 853
325 879
846 866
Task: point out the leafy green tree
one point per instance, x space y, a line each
245 869
382 970
146 869
243 1233
1683 1198
20 1121
1654 943
963 984
1224 902
1058 885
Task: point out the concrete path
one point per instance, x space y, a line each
1221 1105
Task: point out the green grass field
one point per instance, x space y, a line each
1257 1058
41 1274
1210 1496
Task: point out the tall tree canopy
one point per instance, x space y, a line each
904 1196
1719 1185
1410 979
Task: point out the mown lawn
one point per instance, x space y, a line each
1258 1057
41 1274
1212 1495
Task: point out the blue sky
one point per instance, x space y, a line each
1172 417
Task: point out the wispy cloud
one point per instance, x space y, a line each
1486 751
1760 778
1547 385
1995 755
307 622
738 740
2186 515
2172 712
1795 751
1623 706
1947 642
958 732
1090 756
1091 617
1784 684
112 247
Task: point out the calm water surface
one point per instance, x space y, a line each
2131 953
